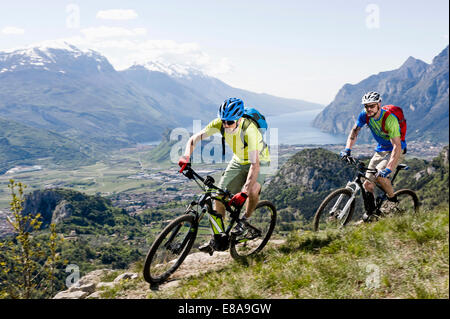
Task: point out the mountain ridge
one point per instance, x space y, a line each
421 89
78 94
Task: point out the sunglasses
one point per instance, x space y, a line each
370 106
228 122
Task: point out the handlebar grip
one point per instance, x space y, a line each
183 167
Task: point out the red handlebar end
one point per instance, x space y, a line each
182 168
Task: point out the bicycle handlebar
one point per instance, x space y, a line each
189 172
359 165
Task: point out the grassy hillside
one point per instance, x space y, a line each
398 257
429 179
21 144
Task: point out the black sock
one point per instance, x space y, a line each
371 200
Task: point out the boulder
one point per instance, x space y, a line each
95 295
71 295
89 287
93 277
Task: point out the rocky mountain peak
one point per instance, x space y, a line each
440 62
171 69
421 89
60 57
412 67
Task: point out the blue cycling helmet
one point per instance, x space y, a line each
231 109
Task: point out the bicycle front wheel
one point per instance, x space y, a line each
336 210
170 249
261 225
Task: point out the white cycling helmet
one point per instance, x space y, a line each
371 97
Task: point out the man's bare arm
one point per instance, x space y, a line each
193 140
253 172
396 152
351 140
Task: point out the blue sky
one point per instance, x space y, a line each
298 49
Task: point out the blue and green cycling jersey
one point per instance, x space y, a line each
391 126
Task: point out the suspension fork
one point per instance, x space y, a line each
354 187
341 197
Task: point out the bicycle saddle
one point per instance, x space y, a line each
402 166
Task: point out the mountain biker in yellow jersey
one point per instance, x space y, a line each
242 176
389 151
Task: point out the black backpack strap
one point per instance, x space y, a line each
245 126
222 132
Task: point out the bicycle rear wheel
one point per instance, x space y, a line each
170 249
408 202
331 213
261 225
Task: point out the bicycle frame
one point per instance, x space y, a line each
179 236
206 205
357 185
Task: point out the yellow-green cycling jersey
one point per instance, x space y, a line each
252 138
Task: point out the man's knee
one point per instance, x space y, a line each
219 207
255 190
369 186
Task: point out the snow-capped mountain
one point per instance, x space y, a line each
54 57
173 70
78 93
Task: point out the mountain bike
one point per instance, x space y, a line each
337 209
173 244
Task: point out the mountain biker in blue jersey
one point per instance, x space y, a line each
389 151
242 176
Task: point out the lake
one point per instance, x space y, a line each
293 128
296 128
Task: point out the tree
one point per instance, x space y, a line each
27 264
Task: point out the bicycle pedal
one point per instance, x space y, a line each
365 217
240 230
207 248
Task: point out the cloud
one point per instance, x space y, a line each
112 32
169 52
12 31
117 14
124 48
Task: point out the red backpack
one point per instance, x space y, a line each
398 112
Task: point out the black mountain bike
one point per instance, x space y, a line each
173 244
337 209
